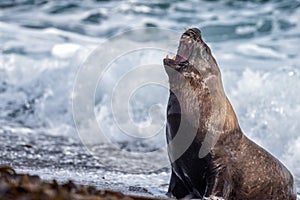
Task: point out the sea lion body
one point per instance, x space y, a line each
220 160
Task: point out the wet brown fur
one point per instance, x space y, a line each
235 168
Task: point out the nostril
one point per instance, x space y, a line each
187 34
193 33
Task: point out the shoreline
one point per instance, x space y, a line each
24 186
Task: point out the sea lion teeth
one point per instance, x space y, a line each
219 161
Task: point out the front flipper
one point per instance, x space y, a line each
177 187
219 185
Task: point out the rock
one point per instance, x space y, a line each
28 187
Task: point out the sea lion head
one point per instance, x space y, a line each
193 60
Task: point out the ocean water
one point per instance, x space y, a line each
45 44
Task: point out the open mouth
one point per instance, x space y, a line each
183 54
185 49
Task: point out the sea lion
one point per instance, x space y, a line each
219 161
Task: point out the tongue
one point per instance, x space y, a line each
181 58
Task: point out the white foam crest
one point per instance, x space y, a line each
64 50
258 51
141 102
38 92
268 109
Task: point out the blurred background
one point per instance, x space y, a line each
43 43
